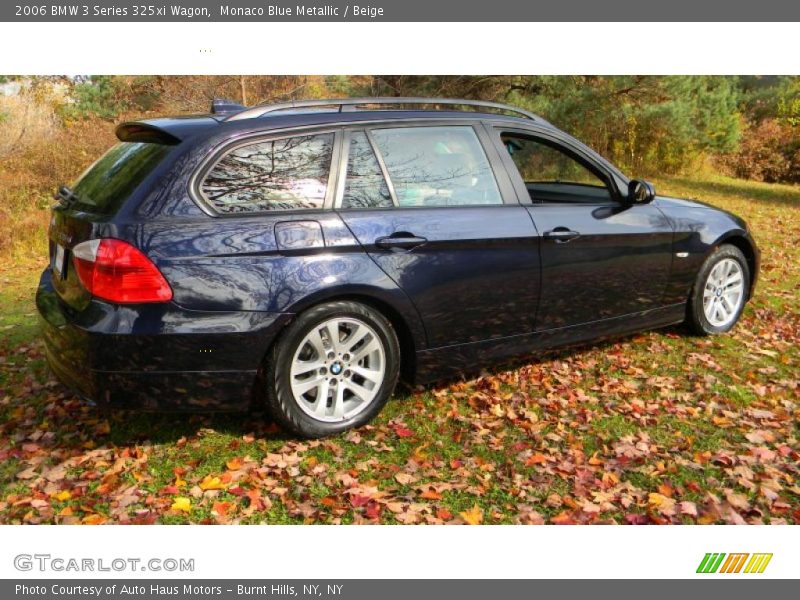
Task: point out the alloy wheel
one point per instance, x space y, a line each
337 369
723 293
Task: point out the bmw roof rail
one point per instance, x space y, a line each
351 104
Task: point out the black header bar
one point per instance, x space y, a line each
407 11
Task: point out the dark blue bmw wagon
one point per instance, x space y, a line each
307 255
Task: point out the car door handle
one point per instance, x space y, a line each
561 235
400 239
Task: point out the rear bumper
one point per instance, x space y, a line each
157 356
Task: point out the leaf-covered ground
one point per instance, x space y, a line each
661 427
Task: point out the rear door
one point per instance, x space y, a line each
602 257
427 204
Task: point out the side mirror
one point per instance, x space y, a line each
641 191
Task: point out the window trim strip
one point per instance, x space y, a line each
341 170
382 164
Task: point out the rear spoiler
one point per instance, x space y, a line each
138 131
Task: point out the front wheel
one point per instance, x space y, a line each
720 291
333 369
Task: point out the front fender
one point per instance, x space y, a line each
699 228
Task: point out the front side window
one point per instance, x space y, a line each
285 174
365 185
437 166
553 175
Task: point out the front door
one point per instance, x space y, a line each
602 257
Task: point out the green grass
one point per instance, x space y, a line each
601 433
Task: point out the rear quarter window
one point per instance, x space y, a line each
107 183
273 175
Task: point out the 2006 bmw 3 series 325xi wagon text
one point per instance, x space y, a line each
307 255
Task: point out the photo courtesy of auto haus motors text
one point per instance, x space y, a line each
74 592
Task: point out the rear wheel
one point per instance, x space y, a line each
333 369
720 291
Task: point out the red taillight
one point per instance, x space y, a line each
118 272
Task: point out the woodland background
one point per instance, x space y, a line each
746 127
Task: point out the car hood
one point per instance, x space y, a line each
675 206
668 202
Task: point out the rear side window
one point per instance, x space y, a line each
105 185
437 166
365 186
285 174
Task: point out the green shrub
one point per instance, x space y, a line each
107 97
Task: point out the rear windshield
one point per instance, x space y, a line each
105 185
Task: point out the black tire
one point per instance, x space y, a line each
696 318
280 400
